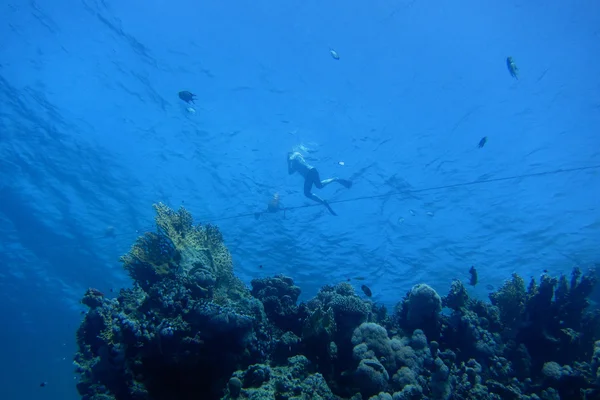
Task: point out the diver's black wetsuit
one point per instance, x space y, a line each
296 163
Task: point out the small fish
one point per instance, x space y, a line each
473 273
366 290
512 67
109 232
186 96
334 54
482 142
43 384
260 266
489 287
359 278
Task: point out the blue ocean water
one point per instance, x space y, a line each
92 133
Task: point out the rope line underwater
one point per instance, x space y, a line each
394 193
412 191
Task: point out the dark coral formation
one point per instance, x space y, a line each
189 329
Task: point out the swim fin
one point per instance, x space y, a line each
345 183
329 208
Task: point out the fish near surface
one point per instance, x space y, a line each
186 96
512 67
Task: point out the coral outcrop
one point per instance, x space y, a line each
189 329
184 328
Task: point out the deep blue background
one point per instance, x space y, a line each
92 133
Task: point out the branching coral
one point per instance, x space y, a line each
573 298
153 255
510 299
195 254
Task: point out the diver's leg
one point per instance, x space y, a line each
308 182
326 182
320 184
314 173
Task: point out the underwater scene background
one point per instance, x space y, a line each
469 131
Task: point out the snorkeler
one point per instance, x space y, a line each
296 163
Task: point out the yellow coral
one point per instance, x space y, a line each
176 225
151 251
107 334
198 245
186 248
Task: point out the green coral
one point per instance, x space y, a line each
511 300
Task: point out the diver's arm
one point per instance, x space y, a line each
290 164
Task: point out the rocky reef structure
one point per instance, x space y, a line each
189 329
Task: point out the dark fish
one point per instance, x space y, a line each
109 232
43 384
359 278
482 142
473 272
260 266
489 287
512 67
366 290
186 96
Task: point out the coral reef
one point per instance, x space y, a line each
189 329
185 327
